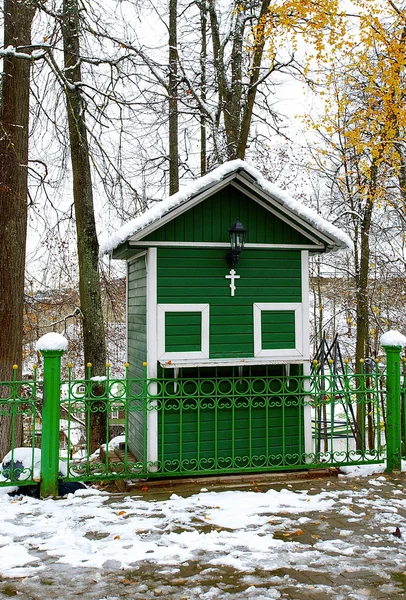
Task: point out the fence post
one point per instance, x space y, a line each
392 343
52 347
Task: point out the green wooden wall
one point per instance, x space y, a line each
137 347
210 220
197 276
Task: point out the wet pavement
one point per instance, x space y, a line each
346 550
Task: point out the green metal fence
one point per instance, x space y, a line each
349 411
21 426
236 424
182 426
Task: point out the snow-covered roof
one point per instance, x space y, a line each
270 192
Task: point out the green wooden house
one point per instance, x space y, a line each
219 326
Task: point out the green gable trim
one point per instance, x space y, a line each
209 220
123 251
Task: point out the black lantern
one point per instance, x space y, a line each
237 239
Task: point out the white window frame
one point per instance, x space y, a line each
162 309
295 352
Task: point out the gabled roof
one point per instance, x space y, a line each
334 238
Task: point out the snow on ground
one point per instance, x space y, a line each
331 536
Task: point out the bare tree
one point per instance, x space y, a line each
87 242
173 98
14 119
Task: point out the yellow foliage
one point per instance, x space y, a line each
320 23
361 58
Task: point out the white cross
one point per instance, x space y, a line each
233 276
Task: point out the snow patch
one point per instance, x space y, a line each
14 555
393 338
26 463
115 442
362 470
52 341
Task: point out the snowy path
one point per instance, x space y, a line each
319 539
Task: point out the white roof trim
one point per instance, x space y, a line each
164 210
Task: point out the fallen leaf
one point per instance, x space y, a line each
117 537
315 537
121 512
144 488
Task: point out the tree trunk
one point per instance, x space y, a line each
235 105
246 117
173 99
362 303
14 122
203 86
87 243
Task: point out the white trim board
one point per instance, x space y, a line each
233 362
305 305
227 245
307 415
280 352
136 256
152 353
126 310
204 309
